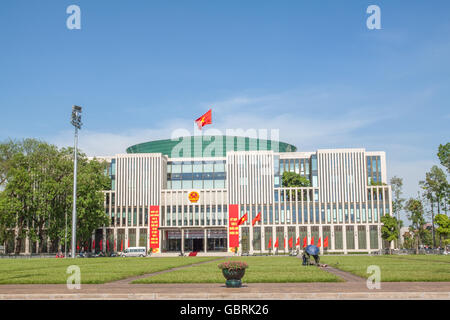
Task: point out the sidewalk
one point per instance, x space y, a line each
253 291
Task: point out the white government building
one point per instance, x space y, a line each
186 195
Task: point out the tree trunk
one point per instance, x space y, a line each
432 223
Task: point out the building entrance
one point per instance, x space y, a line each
194 240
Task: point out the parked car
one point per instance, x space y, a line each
134 252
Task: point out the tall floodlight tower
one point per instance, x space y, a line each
76 122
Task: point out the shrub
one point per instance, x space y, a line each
234 265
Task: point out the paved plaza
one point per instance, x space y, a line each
353 288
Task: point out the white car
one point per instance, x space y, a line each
135 252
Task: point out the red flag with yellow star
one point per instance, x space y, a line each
257 218
204 120
243 219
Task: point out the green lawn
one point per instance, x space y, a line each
395 268
261 269
93 270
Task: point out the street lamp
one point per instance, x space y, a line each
76 122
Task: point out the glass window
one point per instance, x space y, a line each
208 166
277 181
176 184
313 163
314 181
219 166
219 184
176 167
187 166
197 184
197 166
187 184
208 184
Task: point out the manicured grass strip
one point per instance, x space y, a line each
395 268
261 269
424 257
93 270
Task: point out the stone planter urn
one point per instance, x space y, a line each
233 271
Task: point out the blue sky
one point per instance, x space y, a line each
311 69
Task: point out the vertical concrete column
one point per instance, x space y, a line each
355 233
274 236
27 245
368 237
263 242
308 228
205 240
125 245
332 239
321 237
104 239
250 232
138 233
182 240
114 244
344 229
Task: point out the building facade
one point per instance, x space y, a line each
188 194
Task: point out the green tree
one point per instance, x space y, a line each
389 230
294 180
397 200
414 209
444 155
443 228
435 188
37 195
90 198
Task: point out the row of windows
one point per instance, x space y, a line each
195 184
300 166
303 212
308 212
128 217
197 176
189 215
196 166
373 169
335 239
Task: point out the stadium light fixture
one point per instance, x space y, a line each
76 122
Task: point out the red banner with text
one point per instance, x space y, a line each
233 228
154 225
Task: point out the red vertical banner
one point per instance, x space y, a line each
154 225
233 228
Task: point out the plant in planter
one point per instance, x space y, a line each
233 271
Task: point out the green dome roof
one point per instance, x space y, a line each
208 146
